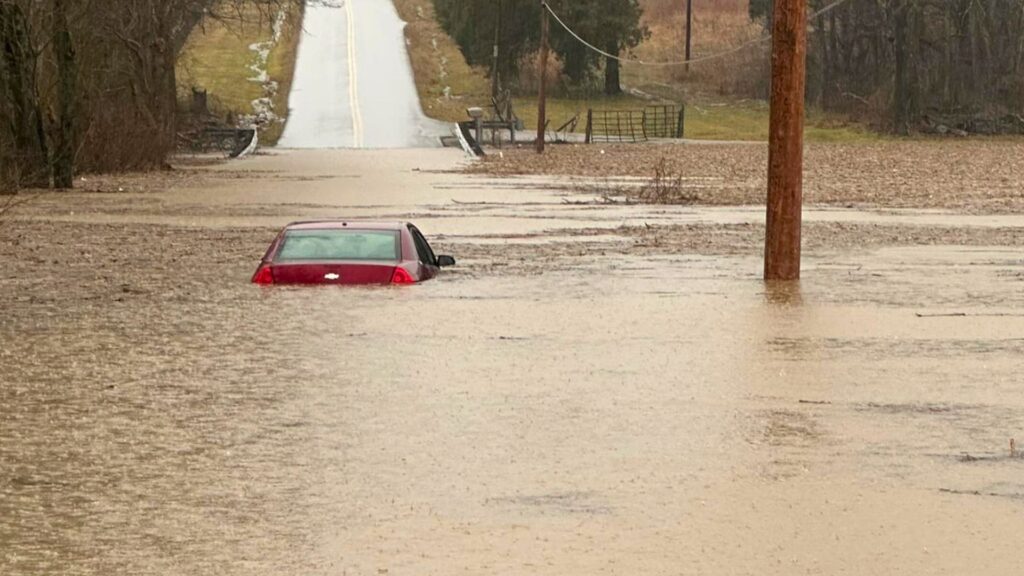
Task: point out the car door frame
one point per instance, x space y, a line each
428 269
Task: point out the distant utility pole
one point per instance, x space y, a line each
786 141
542 122
689 29
495 82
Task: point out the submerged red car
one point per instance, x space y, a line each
349 252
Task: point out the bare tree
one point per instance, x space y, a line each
917 60
23 142
90 85
63 161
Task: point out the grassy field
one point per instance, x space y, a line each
446 83
749 121
217 58
734 121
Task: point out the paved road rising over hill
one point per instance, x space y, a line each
353 84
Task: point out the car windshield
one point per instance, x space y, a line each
331 244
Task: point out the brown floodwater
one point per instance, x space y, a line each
617 414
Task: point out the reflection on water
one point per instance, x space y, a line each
166 417
783 292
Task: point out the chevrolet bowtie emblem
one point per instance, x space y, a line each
331 276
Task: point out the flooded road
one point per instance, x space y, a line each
587 407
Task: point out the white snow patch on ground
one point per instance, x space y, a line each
263 107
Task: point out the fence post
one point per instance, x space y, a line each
681 126
590 126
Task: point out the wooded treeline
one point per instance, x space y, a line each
501 34
919 63
904 64
90 85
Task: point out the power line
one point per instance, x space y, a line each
708 58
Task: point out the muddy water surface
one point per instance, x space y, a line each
615 414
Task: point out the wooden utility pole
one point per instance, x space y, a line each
542 121
689 30
786 140
495 80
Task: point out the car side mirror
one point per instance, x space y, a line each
445 261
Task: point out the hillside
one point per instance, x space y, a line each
246 64
447 85
718 26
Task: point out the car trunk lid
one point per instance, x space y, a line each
344 273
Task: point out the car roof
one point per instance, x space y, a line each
342 224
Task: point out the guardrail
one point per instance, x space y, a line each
235 142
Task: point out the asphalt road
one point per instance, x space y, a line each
353 84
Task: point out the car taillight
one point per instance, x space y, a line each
401 276
264 275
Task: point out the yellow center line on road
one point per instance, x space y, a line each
353 82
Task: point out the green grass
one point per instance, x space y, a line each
716 121
560 110
217 58
745 121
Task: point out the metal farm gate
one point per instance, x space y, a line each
615 126
663 121
635 125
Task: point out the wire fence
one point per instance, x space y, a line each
631 126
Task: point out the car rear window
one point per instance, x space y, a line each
331 244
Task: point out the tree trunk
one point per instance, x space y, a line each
901 80
168 101
192 19
25 122
167 82
63 163
825 64
612 84
947 81
1018 61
